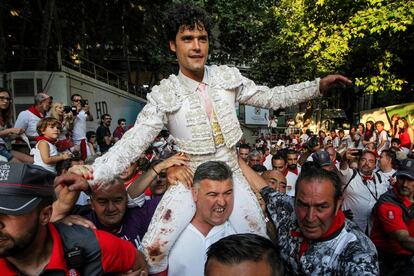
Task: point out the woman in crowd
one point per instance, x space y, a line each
7 132
406 135
394 125
92 145
356 138
66 119
369 135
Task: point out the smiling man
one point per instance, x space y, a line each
198 107
314 236
213 196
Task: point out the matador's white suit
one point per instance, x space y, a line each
177 103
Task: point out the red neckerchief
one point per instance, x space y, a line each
41 137
285 172
334 162
336 225
36 112
295 171
367 177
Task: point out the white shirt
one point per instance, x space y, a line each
188 255
28 121
382 136
268 162
387 175
38 158
291 183
79 127
361 198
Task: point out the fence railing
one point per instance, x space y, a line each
84 66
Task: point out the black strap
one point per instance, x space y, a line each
354 173
83 239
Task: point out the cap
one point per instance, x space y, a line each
321 158
406 168
23 186
41 97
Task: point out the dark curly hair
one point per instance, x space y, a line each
186 15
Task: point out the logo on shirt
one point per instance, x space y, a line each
4 172
73 272
391 214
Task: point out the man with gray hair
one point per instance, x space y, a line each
213 196
28 119
255 158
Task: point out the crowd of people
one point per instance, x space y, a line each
194 198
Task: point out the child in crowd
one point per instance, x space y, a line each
45 152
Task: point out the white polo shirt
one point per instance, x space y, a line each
188 255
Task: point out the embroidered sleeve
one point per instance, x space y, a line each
135 141
277 97
360 258
279 206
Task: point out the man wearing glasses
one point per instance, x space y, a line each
79 126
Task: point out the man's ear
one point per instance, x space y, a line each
194 192
172 46
45 215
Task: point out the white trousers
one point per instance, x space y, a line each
177 208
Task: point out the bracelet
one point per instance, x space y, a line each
154 170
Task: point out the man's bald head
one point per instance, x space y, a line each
276 180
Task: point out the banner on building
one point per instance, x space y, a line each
256 115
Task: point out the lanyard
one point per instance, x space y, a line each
375 185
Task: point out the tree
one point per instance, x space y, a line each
368 40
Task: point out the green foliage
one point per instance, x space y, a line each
368 40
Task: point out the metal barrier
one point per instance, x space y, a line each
84 66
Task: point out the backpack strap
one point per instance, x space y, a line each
354 173
82 244
379 176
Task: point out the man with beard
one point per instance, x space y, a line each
31 245
103 134
393 230
362 187
292 161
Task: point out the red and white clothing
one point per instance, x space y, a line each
79 127
38 157
291 182
360 196
28 121
177 103
382 136
405 141
113 255
343 249
392 213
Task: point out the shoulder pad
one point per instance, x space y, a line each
225 77
167 95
